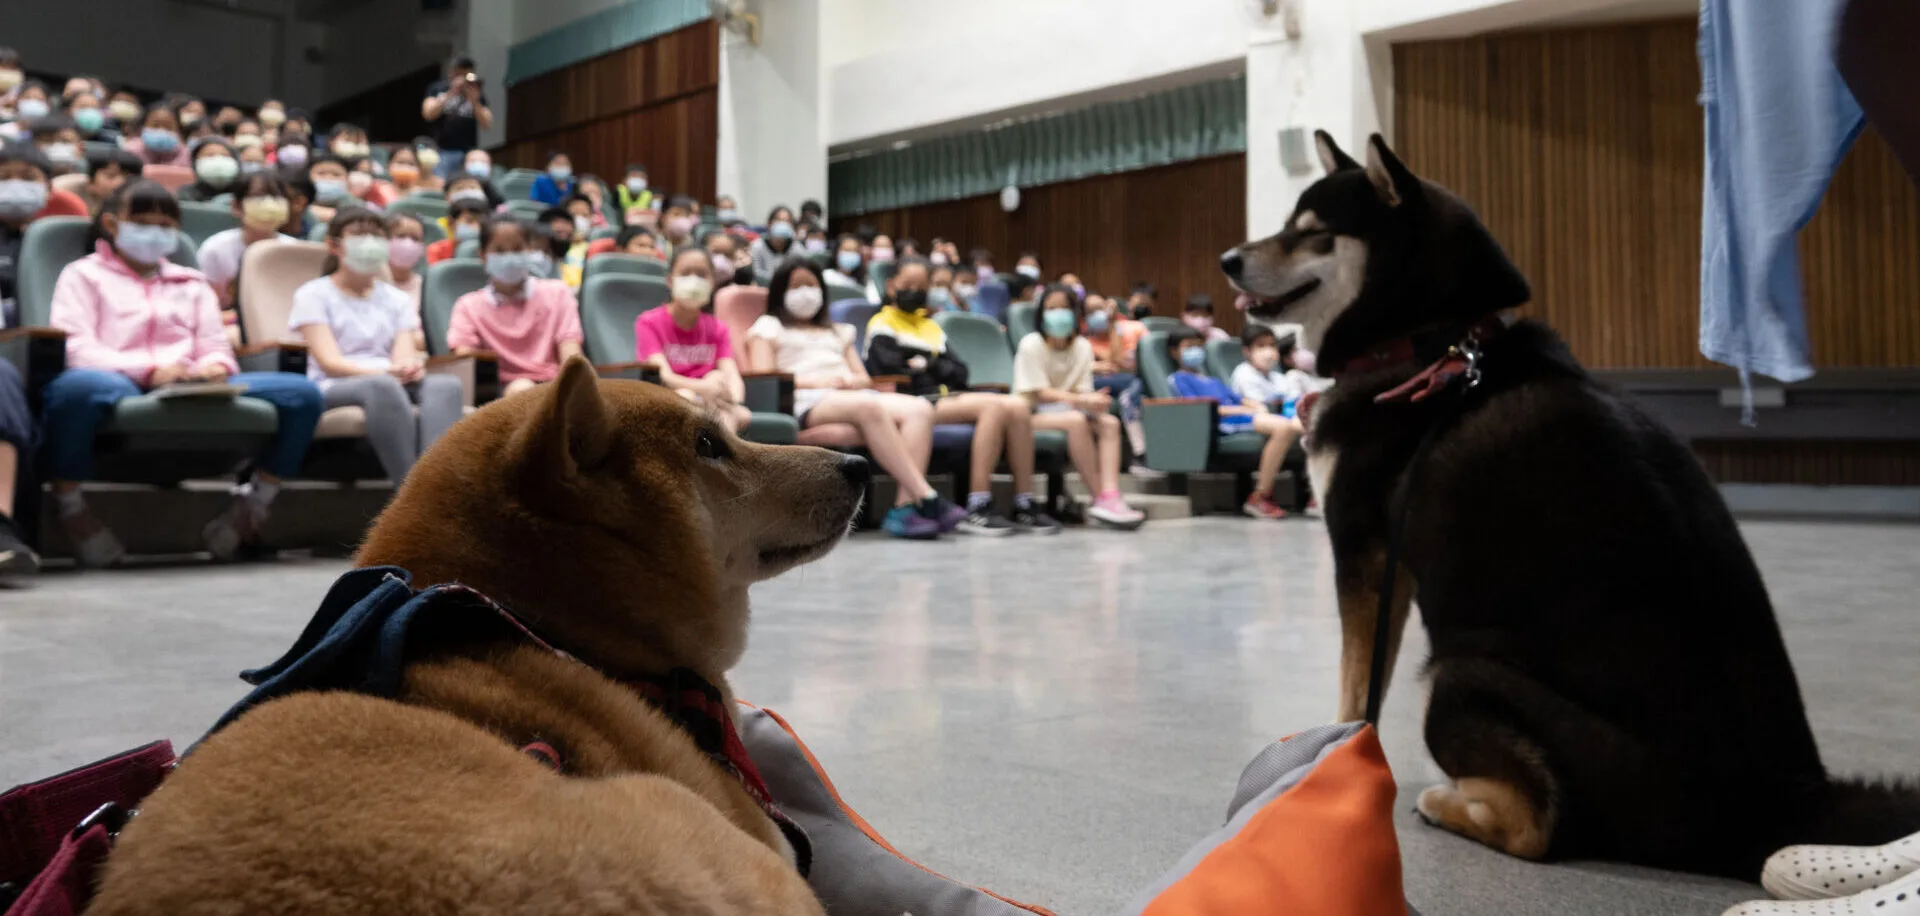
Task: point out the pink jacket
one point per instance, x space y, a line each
119 321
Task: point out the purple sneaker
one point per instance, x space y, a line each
942 510
907 522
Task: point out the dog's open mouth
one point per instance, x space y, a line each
1263 305
789 556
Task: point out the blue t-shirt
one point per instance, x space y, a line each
1195 385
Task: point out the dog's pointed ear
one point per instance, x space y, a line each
1332 157
578 429
1390 177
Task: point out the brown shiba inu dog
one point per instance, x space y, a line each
1607 676
622 526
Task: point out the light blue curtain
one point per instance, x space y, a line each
597 34
1176 125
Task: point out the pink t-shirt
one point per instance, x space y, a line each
525 332
690 353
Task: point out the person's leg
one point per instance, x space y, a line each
72 407
1280 432
1080 446
391 428
989 428
914 418
1107 434
890 451
16 435
738 417
518 385
1018 415
298 403
442 402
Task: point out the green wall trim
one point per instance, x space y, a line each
596 34
1159 128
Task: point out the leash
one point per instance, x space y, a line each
1461 364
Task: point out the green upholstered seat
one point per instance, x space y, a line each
426 208
609 304
147 415
1224 356
444 284
614 262
523 208
1023 318
771 429
201 220
979 342
839 292
517 184
1160 323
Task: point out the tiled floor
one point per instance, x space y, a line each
1053 718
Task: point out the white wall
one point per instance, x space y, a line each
771 151
900 67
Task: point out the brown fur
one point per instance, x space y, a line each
1491 811
587 507
1359 593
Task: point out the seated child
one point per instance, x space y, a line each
135 322
466 216
1269 375
689 346
1237 415
1054 369
533 324
1199 317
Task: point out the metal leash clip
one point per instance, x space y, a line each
1470 350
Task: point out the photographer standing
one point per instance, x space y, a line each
456 110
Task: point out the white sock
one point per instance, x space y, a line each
259 494
70 502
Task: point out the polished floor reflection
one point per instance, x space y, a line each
1052 718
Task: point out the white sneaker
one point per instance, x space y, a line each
1820 872
1901 898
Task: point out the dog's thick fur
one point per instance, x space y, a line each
1607 676
624 526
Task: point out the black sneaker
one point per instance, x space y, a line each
986 524
1034 521
16 558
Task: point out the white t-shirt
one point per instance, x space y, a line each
1037 365
364 328
220 258
805 350
1275 387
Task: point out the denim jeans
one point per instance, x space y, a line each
78 399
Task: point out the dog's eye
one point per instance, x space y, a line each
1320 242
710 446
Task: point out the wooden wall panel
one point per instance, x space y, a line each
656 103
1166 226
1866 463
1582 149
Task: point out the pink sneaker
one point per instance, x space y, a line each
1112 511
1260 505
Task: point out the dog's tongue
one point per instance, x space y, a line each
1243 302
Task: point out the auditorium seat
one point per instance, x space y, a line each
426 208
1022 319
517 184
609 305
201 220
1224 356
614 262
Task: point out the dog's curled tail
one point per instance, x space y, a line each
1861 812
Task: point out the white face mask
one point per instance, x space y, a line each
692 288
803 302
364 254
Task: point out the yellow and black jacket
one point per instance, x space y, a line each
895 336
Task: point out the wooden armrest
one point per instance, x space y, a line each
1158 401
448 359
255 349
32 334
772 374
894 380
997 389
604 368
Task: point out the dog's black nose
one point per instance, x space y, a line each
1230 263
856 470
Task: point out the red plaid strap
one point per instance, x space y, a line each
36 818
66 884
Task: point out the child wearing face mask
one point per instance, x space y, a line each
849 267
689 346
406 245
331 192
260 204
1269 374
633 193
557 184
160 141
215 169
465 217
831 385
24 186
361 352
1237 415
135 322
1199 317
533 324
775 245
678 223
1053 370
904 340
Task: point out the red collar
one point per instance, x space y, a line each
1460 359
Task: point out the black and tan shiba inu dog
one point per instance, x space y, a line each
1607 676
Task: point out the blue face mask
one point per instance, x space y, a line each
1057 323
849 261
89 119
1097 322
465 231
1194 358
781 230
479 170
939 299
509 267
159 141
328 190
145 244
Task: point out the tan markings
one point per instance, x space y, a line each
1492 812
1320 465
1359 609
1307 221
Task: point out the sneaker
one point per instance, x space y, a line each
1033 521
1143 472
1820 872
1113 512
16 558
1070 513
1899 898
1260 505
907 522
943 510
93 543
231 530
986 524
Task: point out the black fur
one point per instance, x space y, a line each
1601 637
